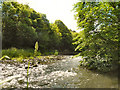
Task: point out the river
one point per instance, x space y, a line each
64 73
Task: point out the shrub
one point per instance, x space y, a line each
100 64
14 52
56 52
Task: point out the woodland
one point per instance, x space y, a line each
97 42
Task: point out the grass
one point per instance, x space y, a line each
19 53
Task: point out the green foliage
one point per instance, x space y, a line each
56 53
65 36
16 53
55 36
100 64
99 37
26 24
19 59
26 35
36 49
22 27
16 18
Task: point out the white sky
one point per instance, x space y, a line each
54 10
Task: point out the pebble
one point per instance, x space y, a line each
7 70
36 73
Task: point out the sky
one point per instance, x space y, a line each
55 10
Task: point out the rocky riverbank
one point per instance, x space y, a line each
34 61
59 73
14 74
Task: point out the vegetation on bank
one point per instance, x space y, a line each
29 54
98 42
14 53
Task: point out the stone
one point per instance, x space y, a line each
38 62
26 67
35 65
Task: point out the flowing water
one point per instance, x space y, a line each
60 74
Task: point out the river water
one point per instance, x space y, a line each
60 74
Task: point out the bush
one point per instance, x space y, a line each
100 64
56 53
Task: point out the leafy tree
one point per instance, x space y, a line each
55 37
100 23
17 31
66 36
26 36
8 37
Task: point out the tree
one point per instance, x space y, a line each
16 26
66 36
100 23
55 37
26 35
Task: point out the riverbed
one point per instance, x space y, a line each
64 73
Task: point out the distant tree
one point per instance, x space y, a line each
66 36
55 36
